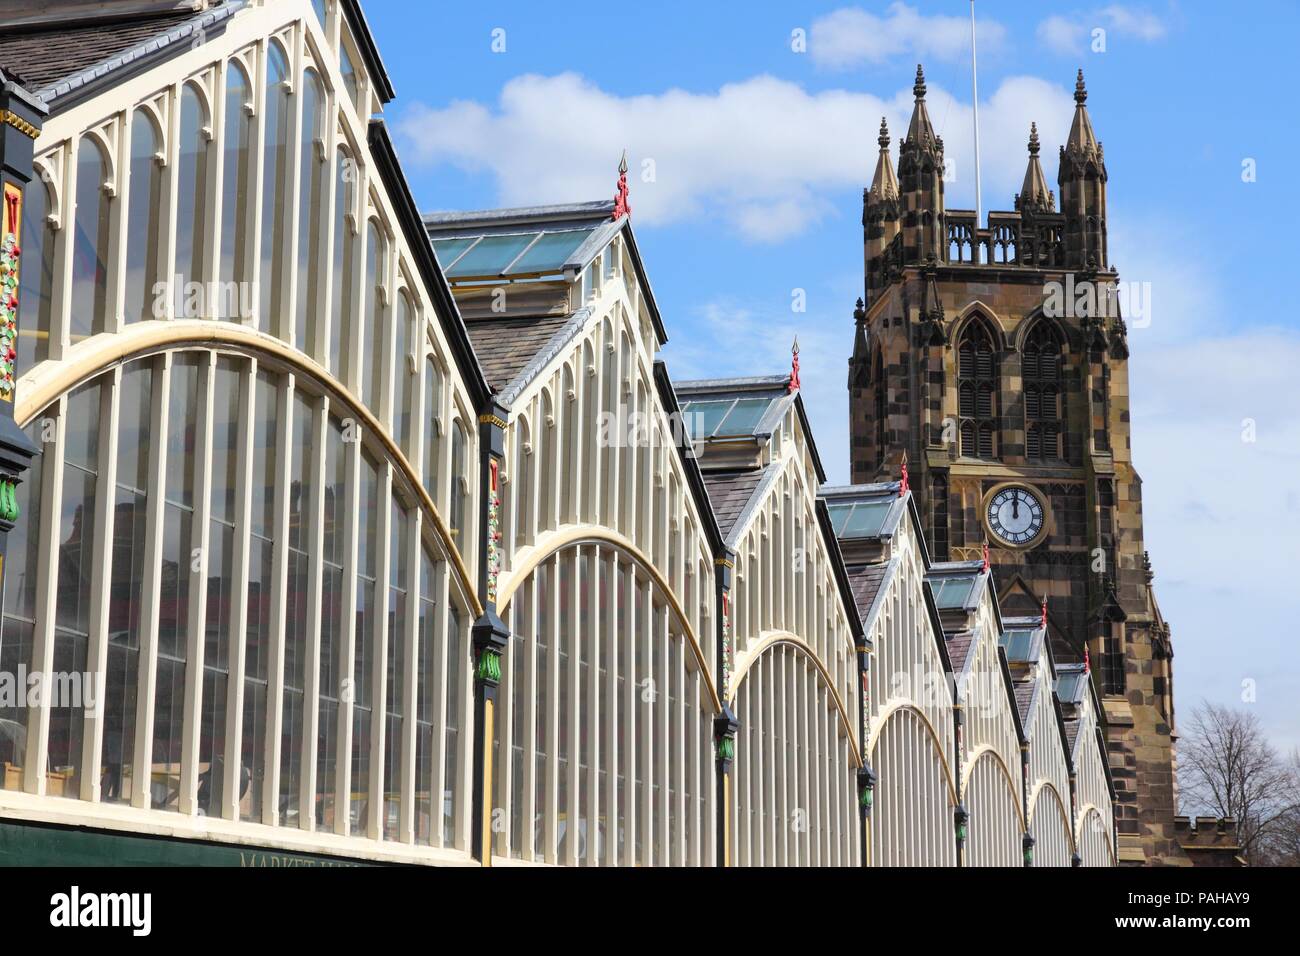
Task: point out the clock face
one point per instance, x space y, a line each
1015 516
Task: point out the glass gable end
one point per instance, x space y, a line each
724 417
859 519
1021 645
516 254
953 592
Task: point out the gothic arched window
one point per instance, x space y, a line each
1040 372
977 392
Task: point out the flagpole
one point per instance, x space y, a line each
975 99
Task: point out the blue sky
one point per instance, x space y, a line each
748 163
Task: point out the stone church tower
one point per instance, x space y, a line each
992 360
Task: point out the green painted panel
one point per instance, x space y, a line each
29 844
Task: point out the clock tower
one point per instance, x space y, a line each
992 359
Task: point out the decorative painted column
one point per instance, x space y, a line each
960 815
21 116
866 776
490 635
1026 840
726 724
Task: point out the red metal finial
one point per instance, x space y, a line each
986 556
621 205
11 211
903 486
1043 622
1087 663
794 366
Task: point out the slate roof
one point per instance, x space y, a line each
505 346
959 648
729 492
865 582
1072 732
1024 697
42 56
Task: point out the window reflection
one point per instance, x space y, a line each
178 546
191 197
341 321
275 173
235 192
196 396
374 346
90 243
335 539
261 570
143 214
311 180
119 780
363 660
395 667
404 380
302 485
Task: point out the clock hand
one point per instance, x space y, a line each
1015 508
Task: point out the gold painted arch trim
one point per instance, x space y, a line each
1089 810
987 752
1046 786
553 543
906 707
770 640
96 355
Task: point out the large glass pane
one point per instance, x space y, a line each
191 197
459 477
395 667
457 667
36 277
221 553
744 417
257 642
404 379
335 541
364 646
301 511
143 214
427 666
76 542
341 321
490 256
311 182
432 428
178 554
374 344
703 418
234 197
550 252
275 173
121 680
90 243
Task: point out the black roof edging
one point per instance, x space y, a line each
399 190
369 51
841 573
690 464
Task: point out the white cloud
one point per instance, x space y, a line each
850 36
762 155
1062 35
1071 34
